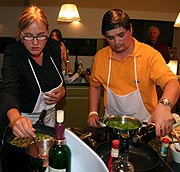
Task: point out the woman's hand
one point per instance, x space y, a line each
55 95
23 128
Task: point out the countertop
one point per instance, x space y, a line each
167 163
81 80
84 80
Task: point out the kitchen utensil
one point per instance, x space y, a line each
35 143
116 125
147 131
114 131
38 154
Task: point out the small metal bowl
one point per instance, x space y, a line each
38 154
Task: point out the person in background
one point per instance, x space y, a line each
153 33
129 70
57 35
31 75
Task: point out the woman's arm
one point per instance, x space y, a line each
65 56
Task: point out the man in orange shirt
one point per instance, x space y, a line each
129 70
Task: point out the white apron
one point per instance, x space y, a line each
49 119
130 104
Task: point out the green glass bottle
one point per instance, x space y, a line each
60 153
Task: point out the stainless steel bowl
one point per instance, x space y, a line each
115 132
38 154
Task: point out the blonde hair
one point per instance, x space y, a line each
29 15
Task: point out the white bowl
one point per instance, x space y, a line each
175 154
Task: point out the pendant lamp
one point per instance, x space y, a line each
177 22
68 13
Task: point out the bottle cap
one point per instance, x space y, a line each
60 116
165 140
115 142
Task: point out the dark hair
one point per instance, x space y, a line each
115 18
58 33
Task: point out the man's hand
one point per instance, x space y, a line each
163 119
92 120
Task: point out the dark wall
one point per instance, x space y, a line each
4 41
140 29
88 47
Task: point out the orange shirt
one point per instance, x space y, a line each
151 70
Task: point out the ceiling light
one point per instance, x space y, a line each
177 22
68 13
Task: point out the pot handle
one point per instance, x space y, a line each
41 117
101 121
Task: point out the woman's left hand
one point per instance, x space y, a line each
55 95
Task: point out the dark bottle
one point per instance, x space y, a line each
67 63
76 64
114 153
122 164
60 153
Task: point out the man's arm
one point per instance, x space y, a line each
94 99
172 91
162 116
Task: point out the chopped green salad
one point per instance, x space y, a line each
128 125
24 142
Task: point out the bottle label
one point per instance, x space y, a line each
164 151
114 152
56 170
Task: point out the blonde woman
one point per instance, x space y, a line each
31 75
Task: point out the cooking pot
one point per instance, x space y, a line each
143 157
138 132
121 124
15 158
116 125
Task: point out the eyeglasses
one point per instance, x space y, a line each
32 37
